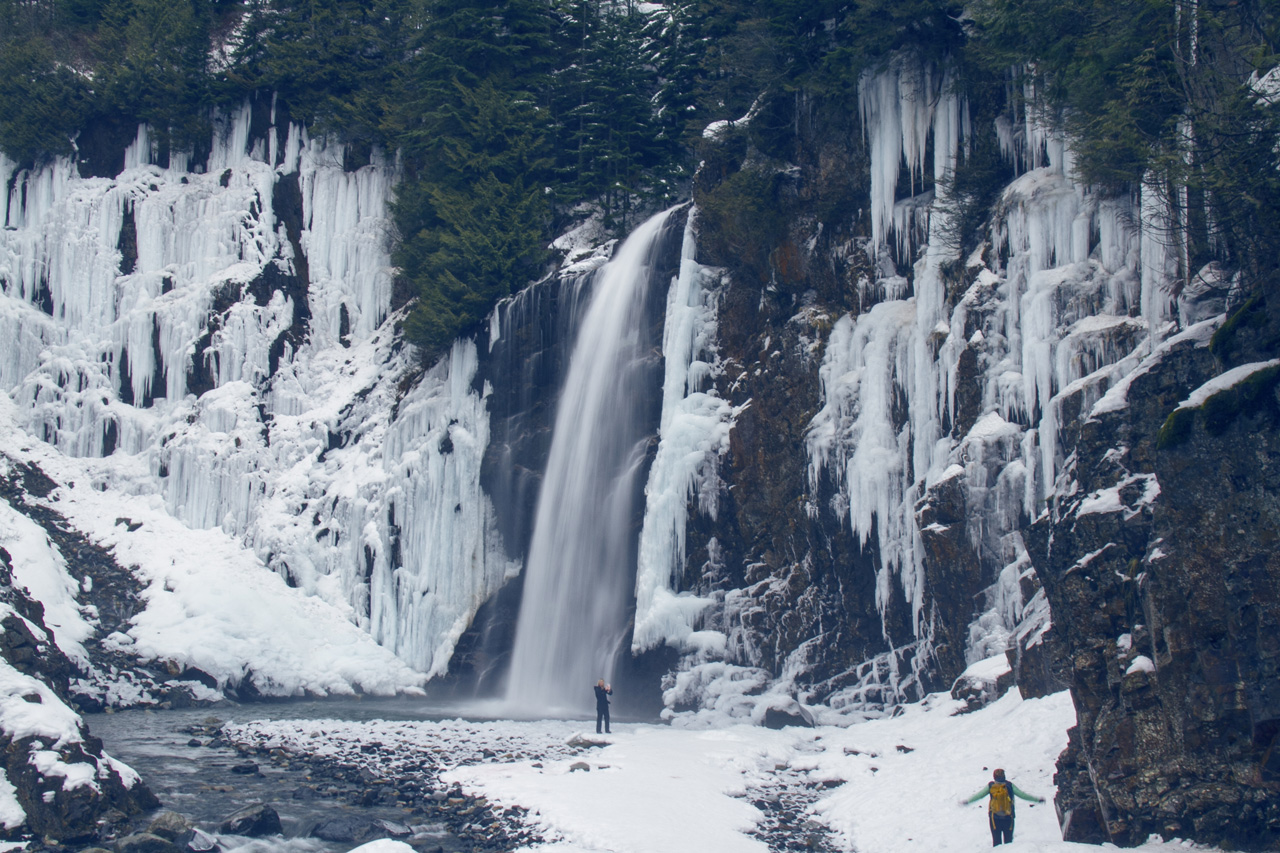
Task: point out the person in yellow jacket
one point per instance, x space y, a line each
1000 811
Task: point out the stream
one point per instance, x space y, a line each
194 770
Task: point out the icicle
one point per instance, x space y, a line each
141 152
346 239
1159 259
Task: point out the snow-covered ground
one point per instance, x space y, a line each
883 786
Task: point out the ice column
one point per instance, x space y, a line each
693 435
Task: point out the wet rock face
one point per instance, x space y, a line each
802 588
1164 580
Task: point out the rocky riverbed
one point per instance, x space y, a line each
323 777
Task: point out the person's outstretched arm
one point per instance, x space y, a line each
1021 793
986 789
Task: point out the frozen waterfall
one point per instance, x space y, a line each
573 616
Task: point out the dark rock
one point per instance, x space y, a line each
145 842
247 769
170 825
1078 812
195 742
1036 658
254 821
1168 604
786 714
346 829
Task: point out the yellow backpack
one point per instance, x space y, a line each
1001 799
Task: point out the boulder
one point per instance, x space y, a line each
983 683
784 712
254 821
170 825
346 829
145 842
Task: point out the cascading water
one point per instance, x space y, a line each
573 613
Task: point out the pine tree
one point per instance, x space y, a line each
472 210
331 62
152 66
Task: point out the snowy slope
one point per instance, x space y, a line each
210 603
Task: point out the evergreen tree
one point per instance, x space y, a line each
42 101
1155 93
152 66
609 135
471 210
332 62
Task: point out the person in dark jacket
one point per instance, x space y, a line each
1000 808
603 692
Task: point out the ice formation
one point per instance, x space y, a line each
692 436
1072 294
179 331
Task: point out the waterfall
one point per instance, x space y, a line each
578 577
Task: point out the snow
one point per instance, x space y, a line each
716 129
39 568
11 812
1141 663
1224 381
889 785
383 845
988 669
1109 499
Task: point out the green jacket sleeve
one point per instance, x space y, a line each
1021 793
986 789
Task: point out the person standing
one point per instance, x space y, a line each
603 692
1000 811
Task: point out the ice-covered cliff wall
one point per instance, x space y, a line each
221 333
947 392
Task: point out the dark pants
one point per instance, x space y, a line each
602 714
1001 829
